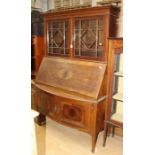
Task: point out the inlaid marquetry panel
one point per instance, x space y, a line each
72 113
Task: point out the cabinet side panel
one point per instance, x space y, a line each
100 116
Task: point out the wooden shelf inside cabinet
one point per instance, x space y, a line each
118 74
118 96
114 101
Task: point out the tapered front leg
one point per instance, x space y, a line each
40 119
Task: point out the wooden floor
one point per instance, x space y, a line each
55 139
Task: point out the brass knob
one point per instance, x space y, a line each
100 44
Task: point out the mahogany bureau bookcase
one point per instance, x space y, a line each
70 86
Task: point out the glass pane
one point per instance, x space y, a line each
118 75
88 35
58 32
117 106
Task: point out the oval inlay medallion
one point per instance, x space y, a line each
65 74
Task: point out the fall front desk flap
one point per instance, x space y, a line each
81 77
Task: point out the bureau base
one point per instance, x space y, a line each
84 116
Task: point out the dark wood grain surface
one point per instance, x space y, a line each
83 77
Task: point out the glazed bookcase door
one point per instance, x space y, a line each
58 37
80 33
88 37
114 100
117 94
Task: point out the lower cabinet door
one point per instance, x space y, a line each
75 114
